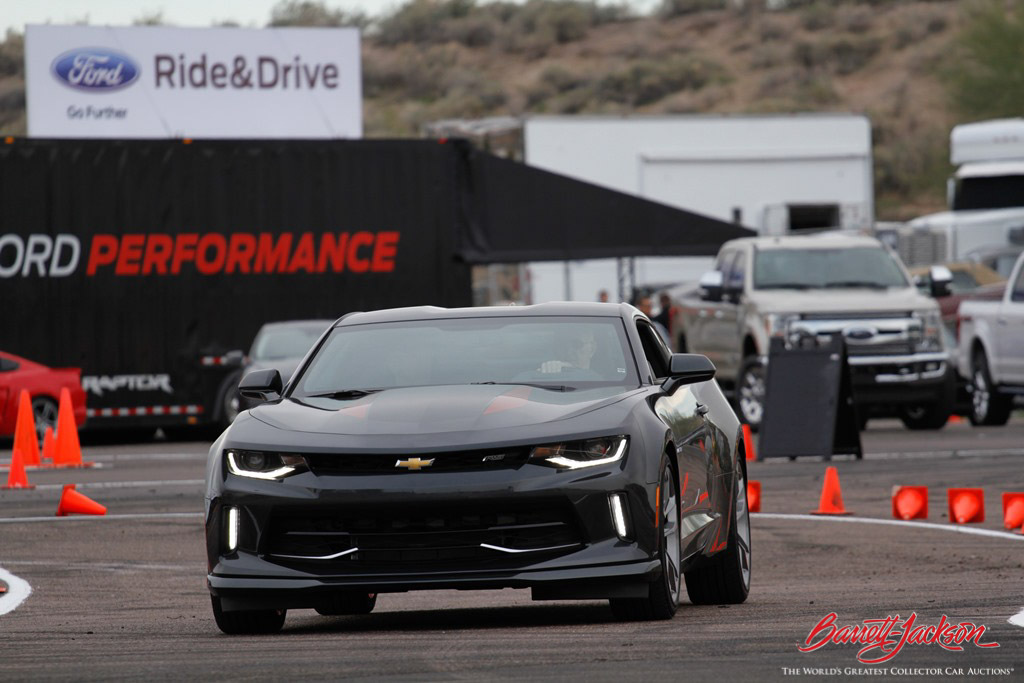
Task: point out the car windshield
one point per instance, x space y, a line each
560 353
286 340
870 267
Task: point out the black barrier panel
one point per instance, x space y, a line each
141 258
528 214
808 407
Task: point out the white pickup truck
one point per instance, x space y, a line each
991 343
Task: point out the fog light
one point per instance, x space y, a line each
232 522
617 505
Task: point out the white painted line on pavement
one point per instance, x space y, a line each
955 528
17 591
1017 619
78 518
127 484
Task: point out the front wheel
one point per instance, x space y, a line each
750 392
988 407
725 578
662 599
248 621
931 416
44 410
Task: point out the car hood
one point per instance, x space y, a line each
435 410
861 300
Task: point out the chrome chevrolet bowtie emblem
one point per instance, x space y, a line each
414 463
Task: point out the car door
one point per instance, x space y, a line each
723 339
1009 331
706 335
685 418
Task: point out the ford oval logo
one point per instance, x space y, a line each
859 333
95 68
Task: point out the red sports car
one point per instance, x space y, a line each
43 385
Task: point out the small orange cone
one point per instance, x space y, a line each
74 503
16 478
910 502
68 451
748 443
49 447
966 506
754 496
1013 510
831 496
25 437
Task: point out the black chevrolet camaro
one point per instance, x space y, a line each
558 447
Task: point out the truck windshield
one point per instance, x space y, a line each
870 267
550 352
989 192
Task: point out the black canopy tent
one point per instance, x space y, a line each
520 213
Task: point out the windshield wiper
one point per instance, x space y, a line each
343 394
549 387
785 285
856 283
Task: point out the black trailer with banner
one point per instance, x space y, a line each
151 264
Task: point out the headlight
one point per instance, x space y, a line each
776 324
261 465
576 454
931 331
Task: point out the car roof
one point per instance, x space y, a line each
821 240
553 309
298 323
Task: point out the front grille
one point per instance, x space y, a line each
420 537
457 461
883 349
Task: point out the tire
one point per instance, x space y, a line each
725 578
44 410
248 621
229 402
348 603
987 406
931 416
662 599
750 392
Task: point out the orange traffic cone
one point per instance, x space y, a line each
966 506
16 478
754 496
910 502
49 447
1013 510
748 443
68 451
74 503
25 437
831 496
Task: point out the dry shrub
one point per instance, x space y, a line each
818 16
856 19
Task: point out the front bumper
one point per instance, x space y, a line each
308 536
912 379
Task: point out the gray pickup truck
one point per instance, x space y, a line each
991 335
817 285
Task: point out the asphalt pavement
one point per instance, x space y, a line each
123 596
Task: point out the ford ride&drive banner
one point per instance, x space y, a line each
166 82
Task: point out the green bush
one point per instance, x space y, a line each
677 8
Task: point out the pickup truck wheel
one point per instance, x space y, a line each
750 392
988 407
931 416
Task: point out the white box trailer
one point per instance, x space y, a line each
774 173
985 220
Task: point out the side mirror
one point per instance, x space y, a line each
941 279
261 385
711 285
687 368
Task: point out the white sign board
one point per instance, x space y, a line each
164 82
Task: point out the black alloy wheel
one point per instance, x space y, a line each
725 579
988 406
662 600
44 410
